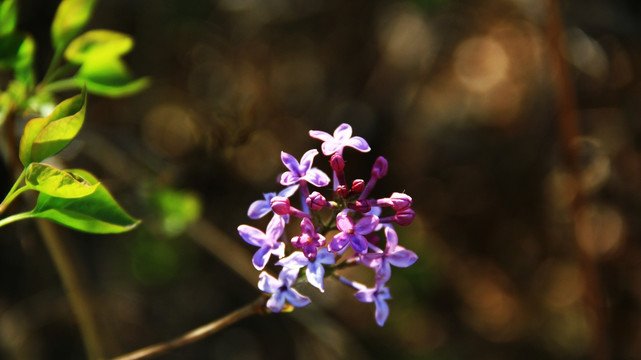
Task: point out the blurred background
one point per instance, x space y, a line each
460 97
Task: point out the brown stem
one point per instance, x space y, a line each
569 132
256 307
79 299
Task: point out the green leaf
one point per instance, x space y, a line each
100 43
70 18
46 136
96 213
177 209
108 76
55 182
8 17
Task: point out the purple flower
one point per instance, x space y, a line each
342 137
315 271
303 171
281 289
309 240
260 208
377 295
394 254
267 242
352 234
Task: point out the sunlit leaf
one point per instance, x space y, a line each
24 62
101 43
46 136
70 18
8 17
96 213
55 182
108 76
177 209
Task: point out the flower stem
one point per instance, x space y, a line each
14 218
253 308
61 85
568 122
78 297
13 193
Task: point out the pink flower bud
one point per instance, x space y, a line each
362 206
400 201
316 201
358 185
404 217
342 191
280 205
380 168
337 163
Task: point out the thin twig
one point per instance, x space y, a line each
569 131
254 308
79 299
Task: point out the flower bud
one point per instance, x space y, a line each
342 191
337 163
400 201
404 217
362 206
358 185
316 201
280 205
380 168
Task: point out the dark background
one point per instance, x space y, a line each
458 95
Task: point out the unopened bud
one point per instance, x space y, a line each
342 191
358 185
380 168
337 163
400 201
316 201
362 206
404 217
280 205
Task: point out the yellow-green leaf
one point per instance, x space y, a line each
108 76
49 180
96 213
102 43
8 17
70 18
46 136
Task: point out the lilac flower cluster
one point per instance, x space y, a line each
352 212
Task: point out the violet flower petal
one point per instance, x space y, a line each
276 302
315 273
366 295
316 177
338 242
392 239
359 243
325 257
344 223
343 132
251 235
288 191
382 311
295 260
358 143
320 135
290 162
268 283
307 160
402 257
275 229
366 224
295 298
261 257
